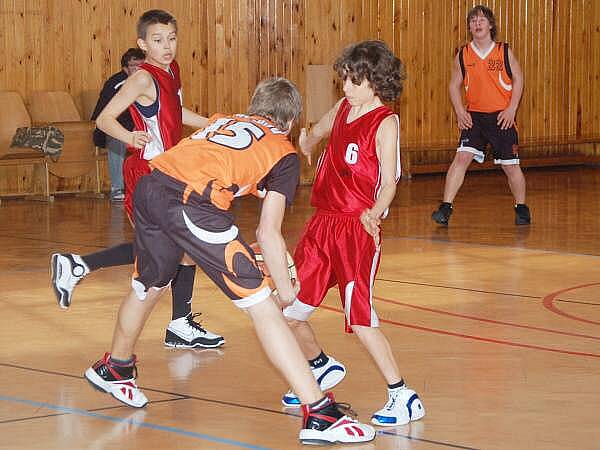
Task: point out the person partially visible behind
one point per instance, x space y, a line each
130 62
493 84
153 97
183 206
354 185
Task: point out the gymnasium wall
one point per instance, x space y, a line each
226 46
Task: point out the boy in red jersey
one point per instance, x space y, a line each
184 206
354 185
153 96
493 83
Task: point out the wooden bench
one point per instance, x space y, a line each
76 171
418 158
23 171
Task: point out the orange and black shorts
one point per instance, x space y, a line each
166 228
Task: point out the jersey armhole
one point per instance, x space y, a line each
461 62
507 61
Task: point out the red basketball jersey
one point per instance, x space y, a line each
162 119
348 174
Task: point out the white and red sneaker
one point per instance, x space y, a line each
328 422
117 380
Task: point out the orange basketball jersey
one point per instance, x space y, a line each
487 77
226 159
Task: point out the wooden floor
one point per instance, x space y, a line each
496 327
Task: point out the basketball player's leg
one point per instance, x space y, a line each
184 330
471 147
157 258
231 266
506 144
68 269
357 276
316 276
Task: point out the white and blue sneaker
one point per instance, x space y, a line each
403 406
327 376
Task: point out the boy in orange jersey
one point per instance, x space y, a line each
493 83
183 206
153 97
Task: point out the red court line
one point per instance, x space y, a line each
477 338
550 306
482 319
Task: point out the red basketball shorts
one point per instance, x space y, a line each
336 250
134 168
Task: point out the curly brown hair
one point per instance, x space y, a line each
375 62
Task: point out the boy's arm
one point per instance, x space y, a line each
272 244
463 118
387 153
506 118
193 119
138 86
321 130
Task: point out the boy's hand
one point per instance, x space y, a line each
285 301
304 147
464 120
371 225
506 118
140 138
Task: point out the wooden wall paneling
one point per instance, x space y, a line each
594 69
199 70
226 46
211 18
19 36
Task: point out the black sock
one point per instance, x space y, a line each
182 288
319 361
397 385
321 403
448 204
119 255
122 363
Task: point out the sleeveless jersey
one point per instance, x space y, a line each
226 159
487 77
348 174
162 119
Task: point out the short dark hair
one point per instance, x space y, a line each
278 100
152 17
375 62
132 53
488 14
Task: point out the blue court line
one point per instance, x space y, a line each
152 426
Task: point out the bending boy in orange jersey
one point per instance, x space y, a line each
493 83
153 96
184 206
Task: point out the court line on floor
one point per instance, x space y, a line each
192 397
476 338
483 319
549 299
390 433
141 424
479 244
481 291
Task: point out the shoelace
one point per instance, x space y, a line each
195 324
